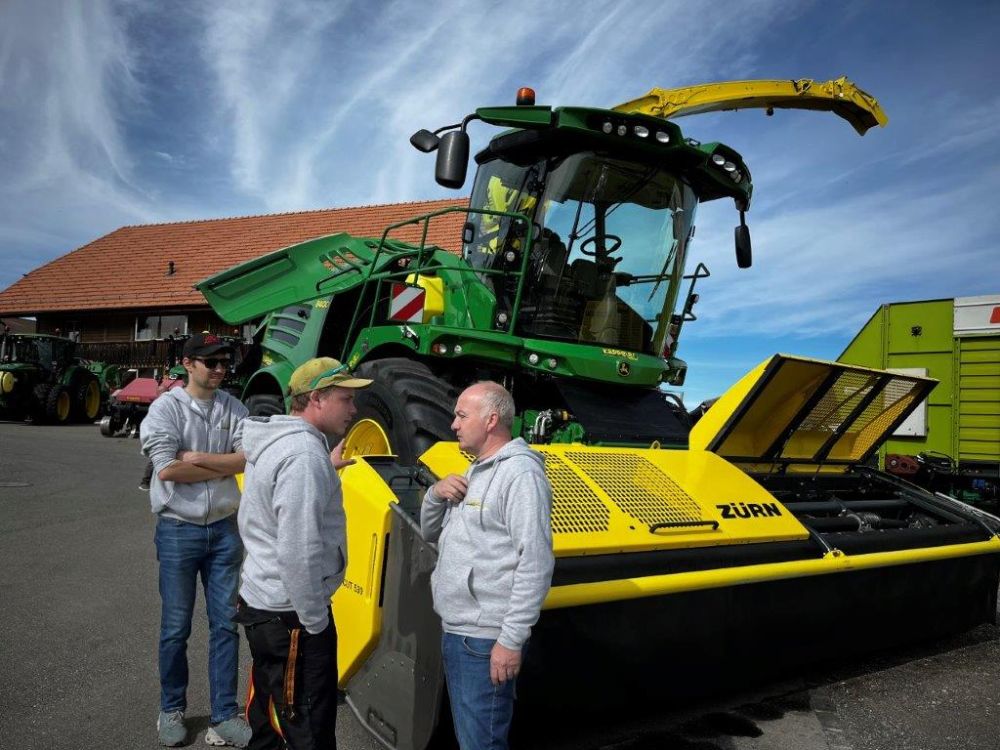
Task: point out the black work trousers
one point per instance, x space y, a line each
309 720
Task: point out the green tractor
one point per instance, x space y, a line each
42 379
690 553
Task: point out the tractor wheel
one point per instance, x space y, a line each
265 405
58 405
404 412
87 400
39 400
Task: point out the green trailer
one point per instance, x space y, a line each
952 442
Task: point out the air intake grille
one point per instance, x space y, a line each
575 507
638 487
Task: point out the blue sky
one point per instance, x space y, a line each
140 111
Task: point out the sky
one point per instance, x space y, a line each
118 112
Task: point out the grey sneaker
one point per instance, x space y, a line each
234 732
171 729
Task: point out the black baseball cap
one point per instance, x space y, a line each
205 345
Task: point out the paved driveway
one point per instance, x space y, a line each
79 614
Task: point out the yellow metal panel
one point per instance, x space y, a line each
433 287
983 420
355 603
978 414
609 500
712 423
792 407
985 402
839 96
581 594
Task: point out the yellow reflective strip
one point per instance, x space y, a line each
581 594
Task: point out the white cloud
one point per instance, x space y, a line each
823 270
65 81
61 90
320 104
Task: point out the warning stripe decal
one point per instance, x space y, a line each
407 305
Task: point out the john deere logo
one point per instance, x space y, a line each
624 369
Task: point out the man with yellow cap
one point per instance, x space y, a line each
291 519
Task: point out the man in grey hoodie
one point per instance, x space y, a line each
494 537
292 523
192 436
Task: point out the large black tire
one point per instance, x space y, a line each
87 399
265 405
39 401
58 405
409 402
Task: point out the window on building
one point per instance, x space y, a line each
160 326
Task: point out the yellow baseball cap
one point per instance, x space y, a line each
322 372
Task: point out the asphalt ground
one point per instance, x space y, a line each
79 616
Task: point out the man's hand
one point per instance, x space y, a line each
191 457
504 664
452 488
337 457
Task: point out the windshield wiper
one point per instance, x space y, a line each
677 218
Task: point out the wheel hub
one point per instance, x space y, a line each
366 437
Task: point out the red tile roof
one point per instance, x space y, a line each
128 268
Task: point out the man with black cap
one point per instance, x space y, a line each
292 523
193 436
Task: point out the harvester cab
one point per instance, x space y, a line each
682 554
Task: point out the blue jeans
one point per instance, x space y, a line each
481 711
186 550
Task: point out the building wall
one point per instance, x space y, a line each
110 336
114 326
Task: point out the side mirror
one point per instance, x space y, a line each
452 159
424 140
744 254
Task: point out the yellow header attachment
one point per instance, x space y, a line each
607 500
839 96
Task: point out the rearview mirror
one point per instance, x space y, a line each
424 140
452 159
744 254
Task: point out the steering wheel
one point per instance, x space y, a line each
616 242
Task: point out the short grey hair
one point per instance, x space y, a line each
495 398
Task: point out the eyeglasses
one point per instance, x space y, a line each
328 373
212 362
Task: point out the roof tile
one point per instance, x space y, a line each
127 268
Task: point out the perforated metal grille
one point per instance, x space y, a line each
575 507
879 416
637 486
881 408
838 402
836 406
